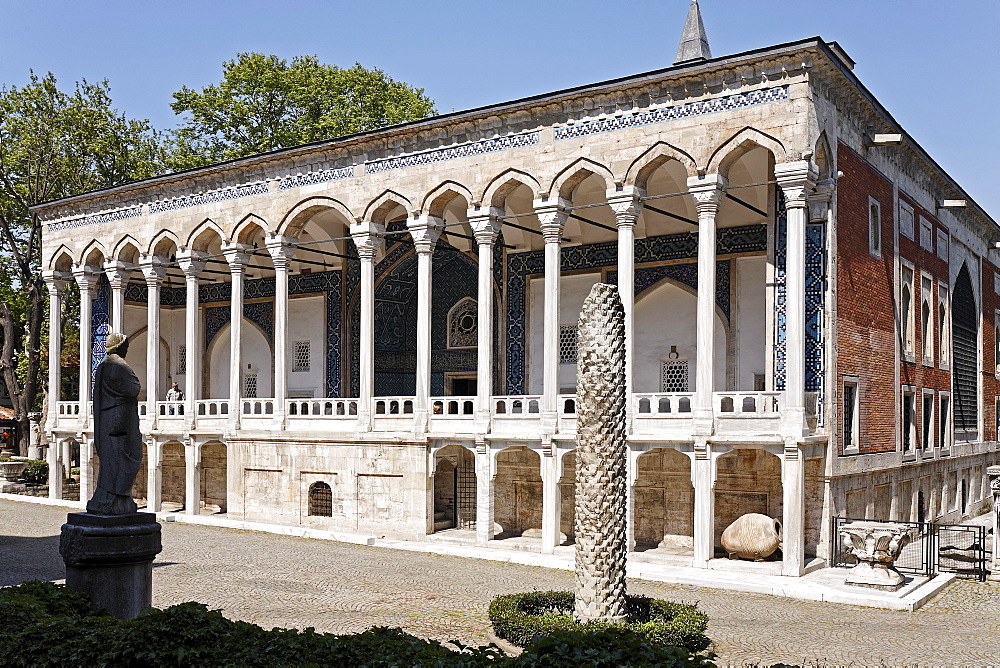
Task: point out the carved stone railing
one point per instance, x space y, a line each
517 406
326 409
453 407
662 405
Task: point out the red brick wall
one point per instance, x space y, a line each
866 328
990 388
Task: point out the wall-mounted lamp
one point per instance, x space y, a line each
673 353
952 204
883 139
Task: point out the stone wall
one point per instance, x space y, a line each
518 492
664 500
748 481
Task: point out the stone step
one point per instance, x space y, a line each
440 525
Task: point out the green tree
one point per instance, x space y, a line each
265 103
53 144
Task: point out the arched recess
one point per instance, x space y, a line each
126 250
666 331
454 488
965 357
137 351
379 209
61 260
824 157
748 481
517 498
93 256
664 502
250 228
497 190
741 143
173 473
295 220
258 360
164 244
438 198
207 237
567 180
213 477
652 159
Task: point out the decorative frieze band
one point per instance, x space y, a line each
221 195
321 176
635 119
451 153
105 217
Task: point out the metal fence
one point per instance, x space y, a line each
934 548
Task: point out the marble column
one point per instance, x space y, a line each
282 249
192 477
703 481
369 242
56 283
485 489
793 508
993 476
56 472
796 180
626 207
192 263
154 475
86 467
551 472
551 218
237 257
88 281
118 274
425 231
708 192
485 228
154 273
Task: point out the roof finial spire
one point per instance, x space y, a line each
694 42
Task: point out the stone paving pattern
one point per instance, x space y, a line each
283 581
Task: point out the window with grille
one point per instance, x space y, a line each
944 345
463 324
250 385
944 415
906 308
567 344
907 421
906 220
965 336
874 227
320 500
674 375
850 414
301 355
182 360
927 330
927 436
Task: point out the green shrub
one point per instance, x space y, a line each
518 618
36 472
605 647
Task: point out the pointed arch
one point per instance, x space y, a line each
61 260
653 158
569 178
739 145
123 245
202 235
437 199
245 229
965 356
89 256
160 245
496 192
824 157
292 223
379 208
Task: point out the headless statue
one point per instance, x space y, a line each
116 431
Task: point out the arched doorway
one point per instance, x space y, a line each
213 477
257 361
664 502
518 493
173 475
454 489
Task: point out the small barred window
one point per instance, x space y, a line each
250 385
568 343
463 324
320 500
674 376
301 355
182 359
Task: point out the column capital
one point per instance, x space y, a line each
118 273
368 240
425 230
237 255
86 278
153 269
55 281
626 204
708 192
485 223
282 249
552 215
796 180
819 200
191 262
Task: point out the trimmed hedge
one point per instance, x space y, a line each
36 472
42 624
519 618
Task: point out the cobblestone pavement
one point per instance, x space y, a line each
283 581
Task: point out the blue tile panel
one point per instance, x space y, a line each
100 326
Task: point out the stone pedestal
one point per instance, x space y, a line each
876 545
109 558
993 474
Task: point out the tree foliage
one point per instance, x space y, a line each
265 103
53 144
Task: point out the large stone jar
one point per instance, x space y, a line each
752 536
876 546
11 471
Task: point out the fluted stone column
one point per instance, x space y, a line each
154 273
282 249
370 244
425 231
192 264
87 280
486 228
552 219
626 206
118 274
707 192
796 180
55 282
237 257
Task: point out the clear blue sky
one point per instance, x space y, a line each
934 64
